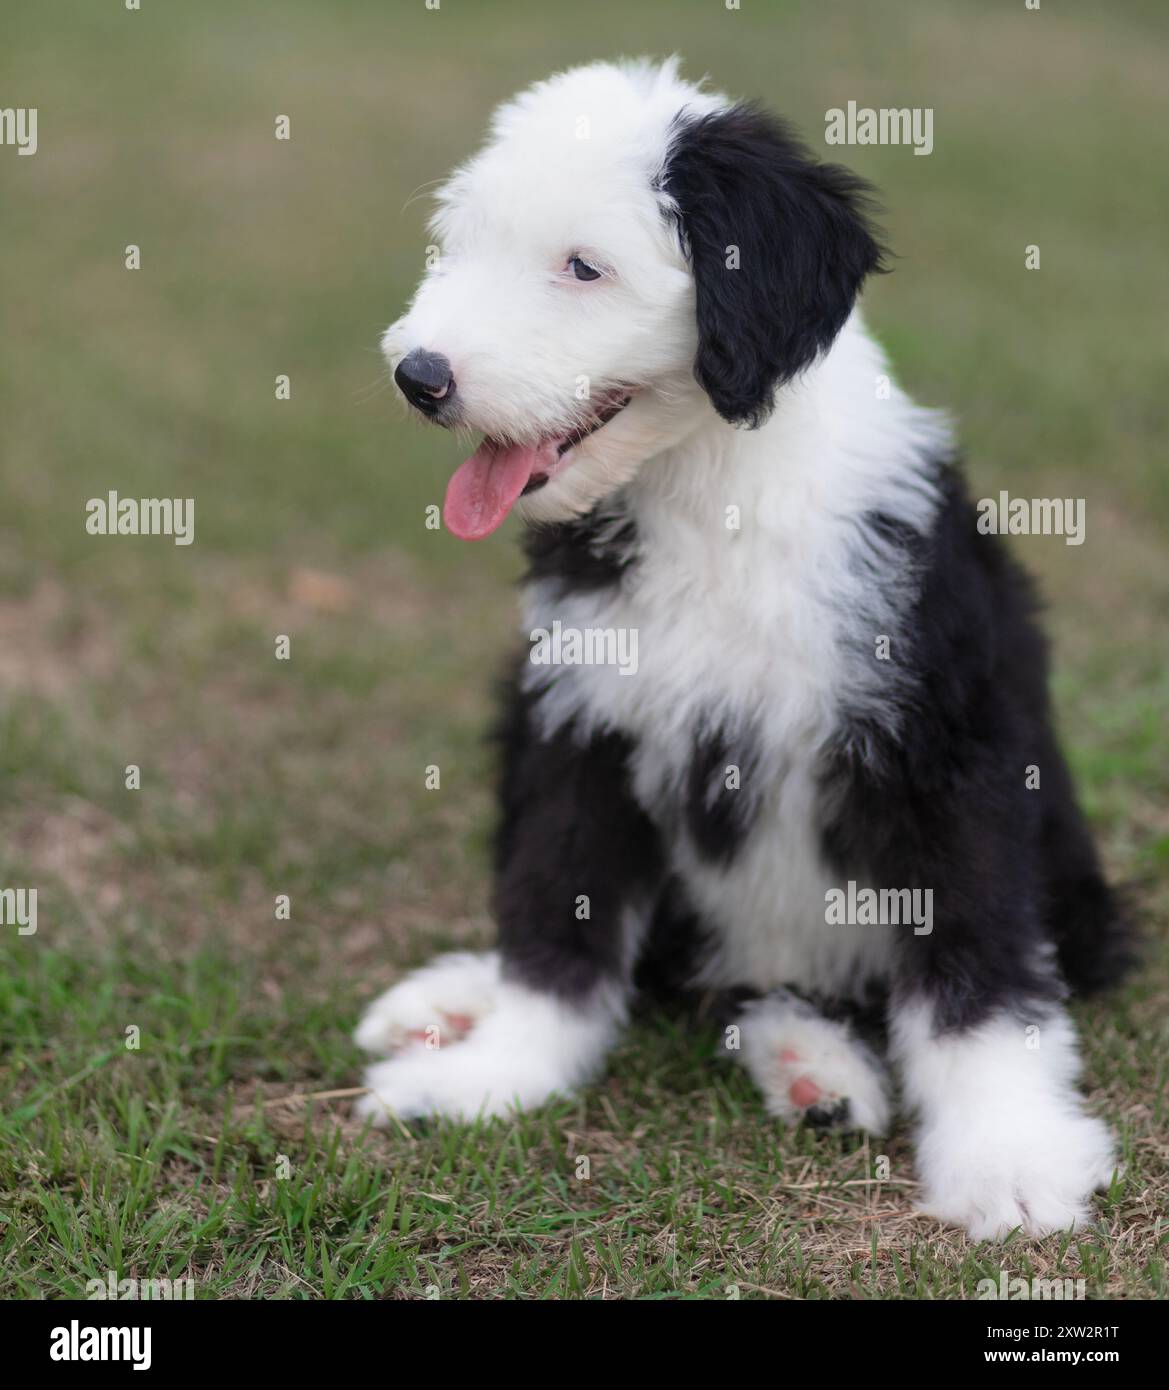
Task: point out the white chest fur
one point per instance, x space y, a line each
755 600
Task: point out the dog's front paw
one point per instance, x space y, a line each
432 1007
468 1043
994 1174
810 1068
416 1085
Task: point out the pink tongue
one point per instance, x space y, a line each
483 489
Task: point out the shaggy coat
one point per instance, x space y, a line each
645 302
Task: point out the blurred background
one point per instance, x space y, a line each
306 777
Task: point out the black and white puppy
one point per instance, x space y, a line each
776 671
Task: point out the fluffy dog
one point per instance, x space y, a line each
645 304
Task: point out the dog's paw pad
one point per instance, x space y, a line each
432 1008
811 1069
804 1092
446 1029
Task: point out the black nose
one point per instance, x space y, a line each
424 378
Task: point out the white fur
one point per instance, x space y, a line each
459 984
521 335
781 1042
524 1047
1004 1141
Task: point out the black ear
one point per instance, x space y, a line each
740 179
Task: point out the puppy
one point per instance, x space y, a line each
774 670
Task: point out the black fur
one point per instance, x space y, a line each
581 555
570 830
677 942
717 817
740 178
945 805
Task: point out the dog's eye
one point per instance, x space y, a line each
582 270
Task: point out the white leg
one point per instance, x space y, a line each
467 1042
810 1067
1004 1141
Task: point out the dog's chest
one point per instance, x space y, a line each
699 637
728 693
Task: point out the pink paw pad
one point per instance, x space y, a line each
804 1091
452 1028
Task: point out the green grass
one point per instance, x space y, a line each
305 777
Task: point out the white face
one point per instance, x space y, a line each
561 302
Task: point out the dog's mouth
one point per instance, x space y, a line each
485 488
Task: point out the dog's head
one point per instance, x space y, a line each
627 253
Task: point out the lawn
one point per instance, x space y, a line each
176 1056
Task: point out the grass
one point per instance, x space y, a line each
306 777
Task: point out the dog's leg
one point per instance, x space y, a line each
809 1067
578 864
988 1057
1004 1141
